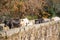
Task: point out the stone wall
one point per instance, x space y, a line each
44 31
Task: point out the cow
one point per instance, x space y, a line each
25 22
55 18
12 23
8 23
46 20
38 21
16 22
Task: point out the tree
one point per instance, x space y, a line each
17 8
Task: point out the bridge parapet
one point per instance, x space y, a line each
44 31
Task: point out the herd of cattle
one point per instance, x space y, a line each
12 23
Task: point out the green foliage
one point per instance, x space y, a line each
52 12
19 7
31 17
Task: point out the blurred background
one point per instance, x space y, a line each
29 8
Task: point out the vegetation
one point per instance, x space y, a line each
18 8
32 17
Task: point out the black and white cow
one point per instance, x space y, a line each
12 23
38 21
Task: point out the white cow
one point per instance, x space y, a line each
46 19
56 18
25 22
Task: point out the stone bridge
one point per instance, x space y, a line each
44 31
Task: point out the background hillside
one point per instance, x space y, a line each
22 8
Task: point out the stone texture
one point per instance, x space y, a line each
44 31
